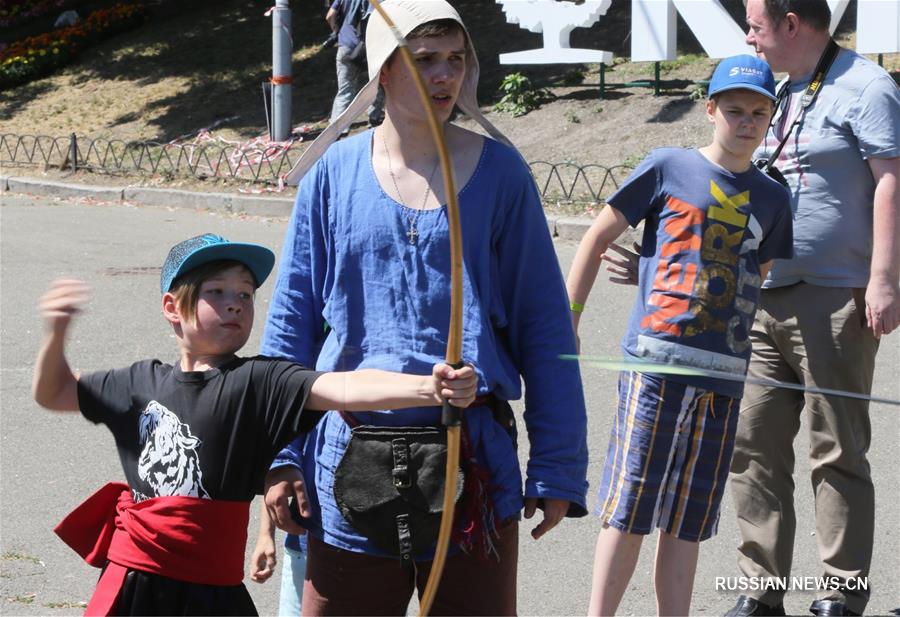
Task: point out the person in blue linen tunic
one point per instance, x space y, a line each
348 263
365 281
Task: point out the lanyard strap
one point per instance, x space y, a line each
808 97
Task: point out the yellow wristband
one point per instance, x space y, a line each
576 308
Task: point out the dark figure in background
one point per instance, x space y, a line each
347 20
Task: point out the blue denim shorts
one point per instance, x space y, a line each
668 458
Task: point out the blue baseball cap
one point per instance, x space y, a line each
199 250
743 71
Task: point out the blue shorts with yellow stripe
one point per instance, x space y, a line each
669 453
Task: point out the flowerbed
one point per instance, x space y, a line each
37 56
15 12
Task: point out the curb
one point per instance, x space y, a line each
61 189
565 228
153 197
216 202
570 228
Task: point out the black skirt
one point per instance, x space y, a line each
144 593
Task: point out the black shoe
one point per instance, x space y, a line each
747 606
827 608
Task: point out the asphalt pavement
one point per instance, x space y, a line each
50 462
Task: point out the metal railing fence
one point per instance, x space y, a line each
265 164
112 156
577 183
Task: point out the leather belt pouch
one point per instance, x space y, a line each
389 486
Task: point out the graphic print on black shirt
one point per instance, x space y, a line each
209 434
169 460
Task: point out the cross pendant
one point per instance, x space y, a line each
413 233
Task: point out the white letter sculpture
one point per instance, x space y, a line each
877 27
653 29
555 20
877 24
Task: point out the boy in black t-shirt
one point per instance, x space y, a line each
195 439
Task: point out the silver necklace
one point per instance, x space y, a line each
413 232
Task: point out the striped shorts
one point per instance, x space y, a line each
668 458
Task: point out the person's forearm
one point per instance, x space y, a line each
609 225
369 389
54 385
331 18
266 528
585 266
886 230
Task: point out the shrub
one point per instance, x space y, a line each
573 77
698 91
520 96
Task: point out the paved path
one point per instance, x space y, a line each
51 462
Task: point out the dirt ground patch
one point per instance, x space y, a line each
201 65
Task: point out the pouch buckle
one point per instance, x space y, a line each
400 472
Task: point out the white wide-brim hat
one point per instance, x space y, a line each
407 15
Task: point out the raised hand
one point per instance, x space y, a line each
54 385
62 300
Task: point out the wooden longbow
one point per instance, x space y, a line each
451 416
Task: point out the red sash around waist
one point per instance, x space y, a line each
183 538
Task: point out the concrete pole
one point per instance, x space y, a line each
281 71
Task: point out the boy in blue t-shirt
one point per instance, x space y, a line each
712 224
